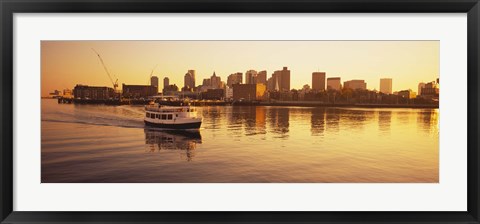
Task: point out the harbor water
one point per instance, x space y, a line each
240 144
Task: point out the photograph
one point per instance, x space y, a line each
240 111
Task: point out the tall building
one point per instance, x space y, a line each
251 77
207 82
281 80
154 82
235 78
189 79
170 90
192 73
355 84
166 82
334 83
318 81
215 81
285 84
386 85
420 86
249 92
270 84
262 77
430 90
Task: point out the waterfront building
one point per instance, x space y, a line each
386 85
355 84
262 77
318 81
55 94
281 80
334 83
170 90
228 92
249 92
189 79
407 94
138 91
213 94
251 77
420 86
206 83
430 90
270 84
215 81
154 82
166 82
93 92
235 78
192 73
67 93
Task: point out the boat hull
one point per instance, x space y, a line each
193 125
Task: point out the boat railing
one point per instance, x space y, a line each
165 110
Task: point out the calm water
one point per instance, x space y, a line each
96 143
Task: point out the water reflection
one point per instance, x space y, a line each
333 120
241 144
279 118
318 121
355 119
427 121
158 140
403 117
384 121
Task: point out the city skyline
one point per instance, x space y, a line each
67 63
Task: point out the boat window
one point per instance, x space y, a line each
152 115
157 116
148 114
164 117
170 117
176 115
188 110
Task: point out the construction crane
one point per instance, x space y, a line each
151 73
115 84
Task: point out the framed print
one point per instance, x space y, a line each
262 112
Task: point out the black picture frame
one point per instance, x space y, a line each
9 7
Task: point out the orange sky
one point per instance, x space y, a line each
67 63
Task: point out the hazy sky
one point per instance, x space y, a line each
67 63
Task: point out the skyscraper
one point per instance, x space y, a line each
215 81
355 84
154 82
281 80
318 81
192 73
189 79
285 86
250 77
166 82
262 77
386 85
334 83
235 78
420 86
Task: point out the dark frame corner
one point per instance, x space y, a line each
9 7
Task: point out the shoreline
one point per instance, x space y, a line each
275 103
355 105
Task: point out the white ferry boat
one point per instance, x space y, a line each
172 117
